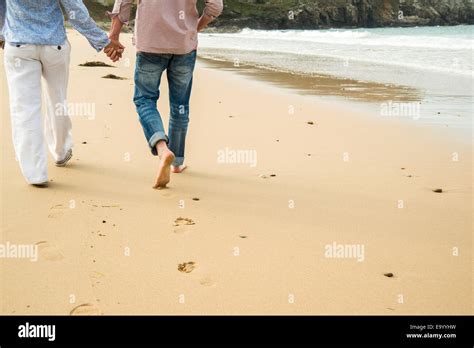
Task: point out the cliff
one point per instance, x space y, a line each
315 14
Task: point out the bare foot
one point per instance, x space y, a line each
179 169
164 171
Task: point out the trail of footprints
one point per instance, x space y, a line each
181 225
190 268
49 251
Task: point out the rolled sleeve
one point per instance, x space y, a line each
122 10
79 17
213 8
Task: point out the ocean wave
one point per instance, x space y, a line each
258 57
355 38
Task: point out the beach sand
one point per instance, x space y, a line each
258 242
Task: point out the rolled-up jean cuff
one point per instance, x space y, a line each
178 161
155 138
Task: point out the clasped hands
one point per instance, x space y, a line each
114 50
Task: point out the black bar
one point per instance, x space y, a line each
262 330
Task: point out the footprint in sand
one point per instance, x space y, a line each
182 224
166 193
56 211
187 267
49 251
204 280
207 282
86 309
183 221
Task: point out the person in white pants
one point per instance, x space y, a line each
36 47
25 64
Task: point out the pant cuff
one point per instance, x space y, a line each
178 161
155 138
37 180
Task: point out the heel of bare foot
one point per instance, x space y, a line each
178 169
164 171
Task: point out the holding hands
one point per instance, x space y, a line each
114 50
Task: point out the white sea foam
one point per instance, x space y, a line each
446 50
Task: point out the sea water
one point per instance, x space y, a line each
437 61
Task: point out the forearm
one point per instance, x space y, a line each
120 15
204 22
115 28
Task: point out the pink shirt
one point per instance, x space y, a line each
166 26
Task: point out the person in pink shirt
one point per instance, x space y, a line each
166 39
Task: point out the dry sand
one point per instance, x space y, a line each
257 245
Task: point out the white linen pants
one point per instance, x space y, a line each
24 67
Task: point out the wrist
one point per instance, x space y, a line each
114 36
204 21
108 43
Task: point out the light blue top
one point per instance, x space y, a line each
41 22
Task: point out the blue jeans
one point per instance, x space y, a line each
148 72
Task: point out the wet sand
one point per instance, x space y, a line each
323 85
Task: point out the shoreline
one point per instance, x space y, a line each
325 175
380 100
428 66
320 84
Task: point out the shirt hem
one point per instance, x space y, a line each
148 49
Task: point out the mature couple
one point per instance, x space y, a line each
36 46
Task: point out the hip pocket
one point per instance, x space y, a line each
18 46
59 48
151 63
19 50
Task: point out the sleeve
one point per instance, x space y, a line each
79 17
122 10
3 14
213 8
